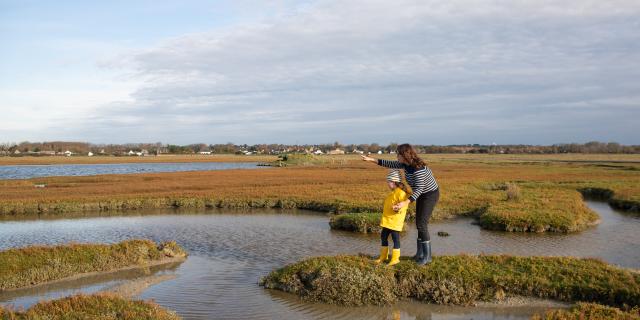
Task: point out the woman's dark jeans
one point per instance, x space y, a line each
424 208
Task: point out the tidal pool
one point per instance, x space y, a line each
229 252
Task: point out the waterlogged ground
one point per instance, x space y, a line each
36 171
229 252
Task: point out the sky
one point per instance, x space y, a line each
305 72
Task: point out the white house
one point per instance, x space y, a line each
90 154
68 153
318 152
380 152
336 151
205 152
131 153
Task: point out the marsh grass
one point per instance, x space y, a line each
548 198
97 306
456 280
23 267
366 222
590 311
513 191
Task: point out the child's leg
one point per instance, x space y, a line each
384 249
395 253
395 235
384 237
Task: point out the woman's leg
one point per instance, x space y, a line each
427 203
424 208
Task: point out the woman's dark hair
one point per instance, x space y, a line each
410 155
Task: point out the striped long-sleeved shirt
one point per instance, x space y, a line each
420 180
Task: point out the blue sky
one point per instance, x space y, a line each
428 72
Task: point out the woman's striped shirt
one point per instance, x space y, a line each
420 180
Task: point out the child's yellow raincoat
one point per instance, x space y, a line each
391 219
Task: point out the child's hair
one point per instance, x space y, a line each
401 185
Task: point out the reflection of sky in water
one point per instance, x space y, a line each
33 171
28 301
230 252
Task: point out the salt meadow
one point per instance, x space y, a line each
548 218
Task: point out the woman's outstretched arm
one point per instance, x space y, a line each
384 163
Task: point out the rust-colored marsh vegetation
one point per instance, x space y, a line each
513 193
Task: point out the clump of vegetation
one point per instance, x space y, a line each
590 311
361 222
357 222
23 267
97 306
513 192
298 159
625 198
542 208
443 234
458 280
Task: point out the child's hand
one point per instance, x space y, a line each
400 205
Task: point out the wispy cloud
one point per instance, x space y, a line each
417 71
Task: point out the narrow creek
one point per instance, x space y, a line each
229 252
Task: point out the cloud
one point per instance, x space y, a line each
422 71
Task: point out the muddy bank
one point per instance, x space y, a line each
39 265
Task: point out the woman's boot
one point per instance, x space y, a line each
419 252
426 249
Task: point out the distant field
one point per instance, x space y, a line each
547 192
614 158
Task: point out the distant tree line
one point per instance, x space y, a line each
59 147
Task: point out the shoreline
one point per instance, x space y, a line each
157 263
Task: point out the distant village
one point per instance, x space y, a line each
69 149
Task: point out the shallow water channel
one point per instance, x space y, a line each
229 252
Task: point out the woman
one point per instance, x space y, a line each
425 194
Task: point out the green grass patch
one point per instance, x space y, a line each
619 196
368 222
590 311
457 280
361 222
98 306
23 267
539 208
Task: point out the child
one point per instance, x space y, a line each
392 221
